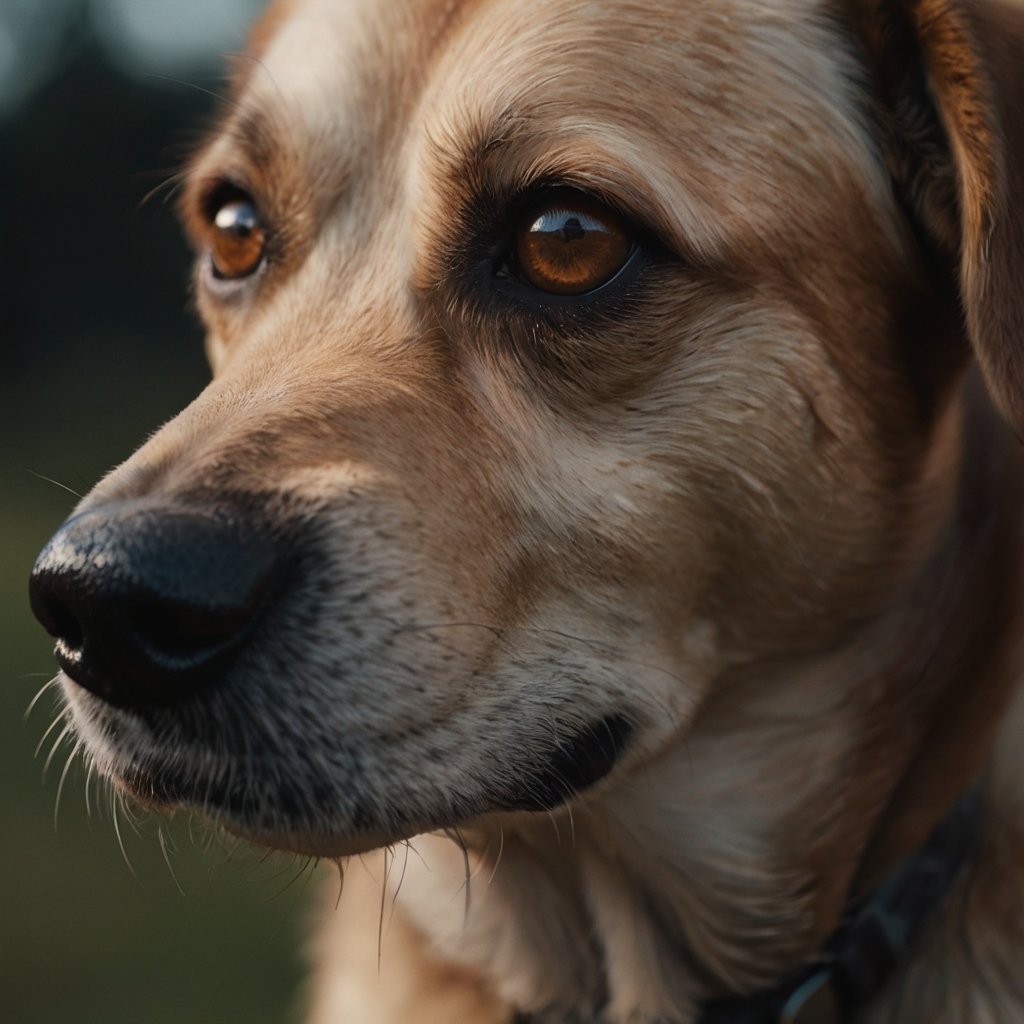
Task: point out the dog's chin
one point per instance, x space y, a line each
324 847
287 802
271 825
157 792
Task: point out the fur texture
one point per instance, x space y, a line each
755 505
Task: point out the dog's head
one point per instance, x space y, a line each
565 364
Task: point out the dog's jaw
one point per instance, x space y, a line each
358 781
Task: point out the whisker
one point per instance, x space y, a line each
554 823
339 863
56 745
191 831
419 856
306 862
264 857
501 850
130 811
460 842
398 888
62 717
170 79
115 802
312 871
56 483
161 838
405 867
259 63
90 778
35 700
282 866
230 852
383 899
169 185
468 882
60 785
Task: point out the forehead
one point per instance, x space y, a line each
699 107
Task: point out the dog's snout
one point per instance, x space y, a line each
146 605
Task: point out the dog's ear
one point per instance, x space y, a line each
950 77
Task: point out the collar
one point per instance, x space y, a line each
873 938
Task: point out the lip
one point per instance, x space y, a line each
297 811
327 847
159 795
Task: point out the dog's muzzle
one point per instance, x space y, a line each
150 603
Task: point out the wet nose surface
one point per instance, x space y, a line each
148 604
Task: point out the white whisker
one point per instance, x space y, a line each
60 784
42 690
63 735
115 802
62 717
162 839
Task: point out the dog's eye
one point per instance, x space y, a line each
570 244
237 239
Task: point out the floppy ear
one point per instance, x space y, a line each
950 75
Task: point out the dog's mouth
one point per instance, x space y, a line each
285 799
279 821
240 702
578 762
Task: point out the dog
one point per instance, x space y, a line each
606 507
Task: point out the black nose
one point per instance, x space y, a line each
147 604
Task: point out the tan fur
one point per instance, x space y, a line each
768 513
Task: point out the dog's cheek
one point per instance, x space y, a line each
216 351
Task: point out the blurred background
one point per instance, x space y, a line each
99 102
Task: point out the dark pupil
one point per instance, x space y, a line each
572 230
568 250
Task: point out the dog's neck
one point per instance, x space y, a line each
967 640
725 864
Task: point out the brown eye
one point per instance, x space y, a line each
237 239
571 245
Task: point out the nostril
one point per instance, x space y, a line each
176 629
59 621
69 629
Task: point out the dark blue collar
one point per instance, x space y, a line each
872 940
